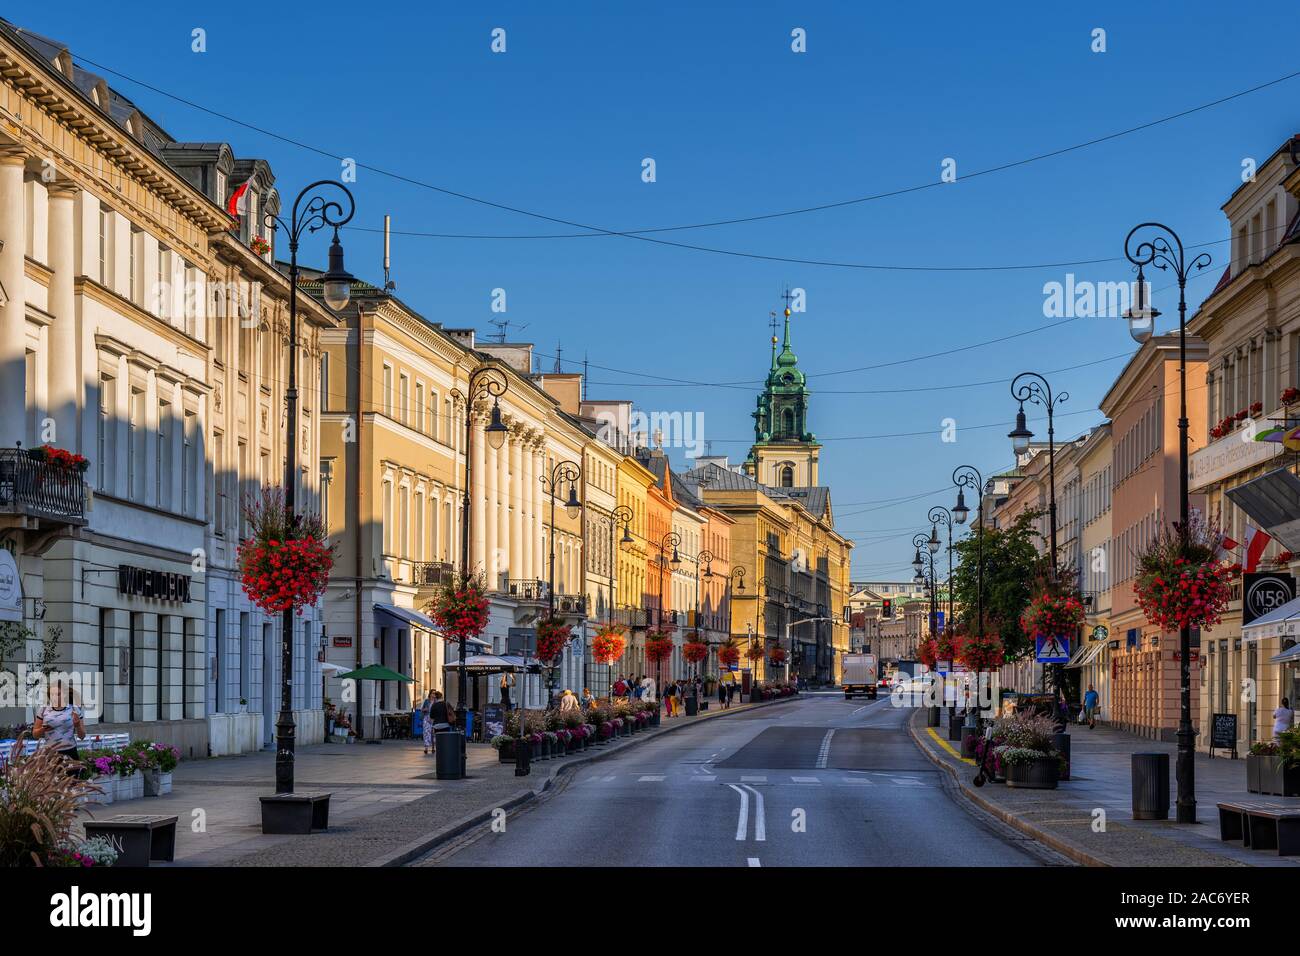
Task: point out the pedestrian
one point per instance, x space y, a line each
670 697
731 693
507 682
1090 707
649 689
440 714
1283 717
425 723
569 703
59 725
722 694
588 701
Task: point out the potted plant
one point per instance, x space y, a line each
161 760
101 774
504 745
1273 767
535 741
1027 754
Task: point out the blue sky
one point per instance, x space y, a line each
739 125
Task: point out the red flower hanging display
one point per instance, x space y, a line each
729 654
1184 584
286 563
756 652
1052 614
552 637
695 651
658 647
608 644
460 608
981 653
778 655
927 652
68 461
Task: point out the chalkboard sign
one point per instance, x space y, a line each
494 720
1223 734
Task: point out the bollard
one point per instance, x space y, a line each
1150 786
1062 744
932 716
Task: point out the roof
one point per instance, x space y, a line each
816 498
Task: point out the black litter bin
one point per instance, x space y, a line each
955 724
449 746
692 706
932 716
1062 744
1150 786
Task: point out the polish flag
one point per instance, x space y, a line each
238 204
1256 542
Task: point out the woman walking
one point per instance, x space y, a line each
722 695
425 723
59 725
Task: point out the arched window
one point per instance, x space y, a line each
787 421
787 476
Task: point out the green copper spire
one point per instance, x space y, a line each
782 408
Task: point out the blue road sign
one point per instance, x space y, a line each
1049 649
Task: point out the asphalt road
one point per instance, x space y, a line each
816 782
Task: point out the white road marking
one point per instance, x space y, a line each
805 779
611 778
753 861
860 709
651 778
705 778
860 781
753 779
742 827
908 782
760 818
824 754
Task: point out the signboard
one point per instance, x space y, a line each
521 642
342 642
149 583
1264 591
943 666
1223 733
494 720
11 588
938 619
1100 632
1051 649
1228 456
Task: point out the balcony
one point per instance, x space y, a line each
538 593
630 617
432 574
40 490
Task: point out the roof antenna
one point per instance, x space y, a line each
559 351
389 284
585 373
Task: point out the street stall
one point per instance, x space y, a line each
485 718
391 723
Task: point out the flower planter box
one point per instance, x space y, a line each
1035 775
156 783
537 751
507 753
128 788
104 796
1271 775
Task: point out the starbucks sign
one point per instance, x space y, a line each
1263 592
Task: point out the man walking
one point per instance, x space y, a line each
1090 707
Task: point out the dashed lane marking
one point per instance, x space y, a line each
753 861
753 779
824 754
806 779
651 778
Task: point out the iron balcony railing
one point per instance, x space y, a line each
630 616
538 592
433 573
40 488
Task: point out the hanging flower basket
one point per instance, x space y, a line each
608 644
658 647
286 563
259 245
552 637
778 655
1291 396
1183 584
981 653
1053 614
756 652
927 652
460 608
695 651
729 654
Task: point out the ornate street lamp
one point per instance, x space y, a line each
1159 252
1037 389
564 471
968 476
317 213
940 515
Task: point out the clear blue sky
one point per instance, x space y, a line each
739 125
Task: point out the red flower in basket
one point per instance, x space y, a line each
552 637
460 608
286 563
729 654
778 655
1256 408
695 651
1290 396
608 644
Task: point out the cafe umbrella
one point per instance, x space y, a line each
376 672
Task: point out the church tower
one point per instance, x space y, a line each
785 452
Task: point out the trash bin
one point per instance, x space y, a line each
1150 786
932 716
692 706
449 746
955 723
1062 744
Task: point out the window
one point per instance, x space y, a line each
132 642
105 429
189 463
404 398
388 517
135 445
787 476
326 479
163 457
160 669
419 422
418 551
163 286
220 476
403 522
324 381
388 390
244 655
217 683
132 292
105 230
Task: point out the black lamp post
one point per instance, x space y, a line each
1157 251
968 476
705 558
624 515
486 381
671 539
1037 389
563 471
939 515
336 289
921 563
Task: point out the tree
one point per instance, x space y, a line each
1012 566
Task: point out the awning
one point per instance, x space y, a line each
422 621
489 664
1279 622
1290 656
1087 654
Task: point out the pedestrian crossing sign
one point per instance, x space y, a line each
1051 649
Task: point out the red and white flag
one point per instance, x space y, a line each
238 204
1256 542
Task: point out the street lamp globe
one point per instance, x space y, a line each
496 429
573 507
960 512
1141 317
916 562
676 562
933 543
336 283
1021 434
626 541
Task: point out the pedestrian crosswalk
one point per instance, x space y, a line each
696 775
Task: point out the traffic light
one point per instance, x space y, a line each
887 607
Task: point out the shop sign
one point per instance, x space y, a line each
149 583
11 588
342 641
1228 456
1263 592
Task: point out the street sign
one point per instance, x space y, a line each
938 620
521 642
1051 649
1264 591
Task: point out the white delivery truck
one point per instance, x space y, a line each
858 674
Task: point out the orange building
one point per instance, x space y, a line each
660 505
1143 408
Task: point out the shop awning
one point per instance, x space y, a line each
422 621
1087 654
1279 622
489 664
1290 656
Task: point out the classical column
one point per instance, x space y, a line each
478 497
539 515
516 487
490 517
527 482
64 390
504 545
13 297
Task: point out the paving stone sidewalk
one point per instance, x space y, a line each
1101 779
386 806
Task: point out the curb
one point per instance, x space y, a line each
1006 816
431 841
